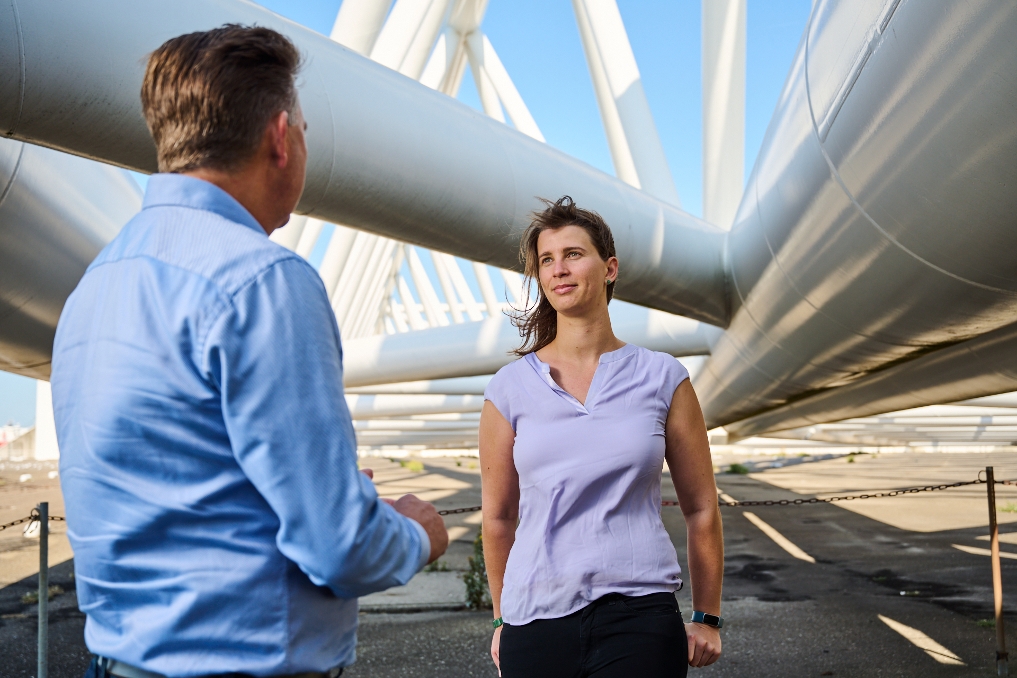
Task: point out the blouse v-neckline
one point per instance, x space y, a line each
544 370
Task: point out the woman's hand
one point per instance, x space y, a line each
496 647
704 644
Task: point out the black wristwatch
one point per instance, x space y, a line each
708 619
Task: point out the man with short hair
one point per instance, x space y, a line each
209 469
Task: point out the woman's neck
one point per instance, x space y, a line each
583 339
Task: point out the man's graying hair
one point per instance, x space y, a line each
208 96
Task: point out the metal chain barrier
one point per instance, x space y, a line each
33 517
850 497
452 512
801 502
667 502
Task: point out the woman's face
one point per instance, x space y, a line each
572 274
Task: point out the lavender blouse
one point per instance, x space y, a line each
589 483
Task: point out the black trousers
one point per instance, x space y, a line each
614 637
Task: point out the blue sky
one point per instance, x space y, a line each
539 44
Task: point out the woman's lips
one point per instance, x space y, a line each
563 289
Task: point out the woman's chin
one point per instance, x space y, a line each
574 308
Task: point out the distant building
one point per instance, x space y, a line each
38 443
17 443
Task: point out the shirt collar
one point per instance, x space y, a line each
609 357
617 354
177 190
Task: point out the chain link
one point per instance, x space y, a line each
801 502
850 497
668 502
451 512
33 517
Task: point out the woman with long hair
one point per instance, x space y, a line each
573 438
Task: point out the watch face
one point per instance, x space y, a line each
708 619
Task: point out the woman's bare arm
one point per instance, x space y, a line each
688 459
500 498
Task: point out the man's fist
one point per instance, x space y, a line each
425 514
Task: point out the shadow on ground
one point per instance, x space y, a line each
786 617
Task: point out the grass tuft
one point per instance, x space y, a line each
438 566
32 597
740 469
478 596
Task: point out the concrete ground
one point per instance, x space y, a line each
884 570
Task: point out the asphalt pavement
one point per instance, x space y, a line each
869 587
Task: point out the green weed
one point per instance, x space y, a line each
478 596
438 566
32 597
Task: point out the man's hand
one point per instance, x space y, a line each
704 644
425 514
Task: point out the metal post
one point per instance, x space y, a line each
43 671
997 577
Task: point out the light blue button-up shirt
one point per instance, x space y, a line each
208 460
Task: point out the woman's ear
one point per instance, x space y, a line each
612 269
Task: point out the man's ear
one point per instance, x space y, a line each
277 131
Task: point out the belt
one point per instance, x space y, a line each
124 670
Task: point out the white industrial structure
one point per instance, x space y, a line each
865 268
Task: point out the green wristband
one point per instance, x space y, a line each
497 622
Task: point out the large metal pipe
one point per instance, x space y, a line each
878 223
429 439
457 386
977 367
444 177
56 212
723 108
405 405
631 133
477 348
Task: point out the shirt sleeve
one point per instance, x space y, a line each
674 374
276 358
497 392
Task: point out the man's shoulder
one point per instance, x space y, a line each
198 242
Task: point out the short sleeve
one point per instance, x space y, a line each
499 393
674 373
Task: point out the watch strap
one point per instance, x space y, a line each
707 619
